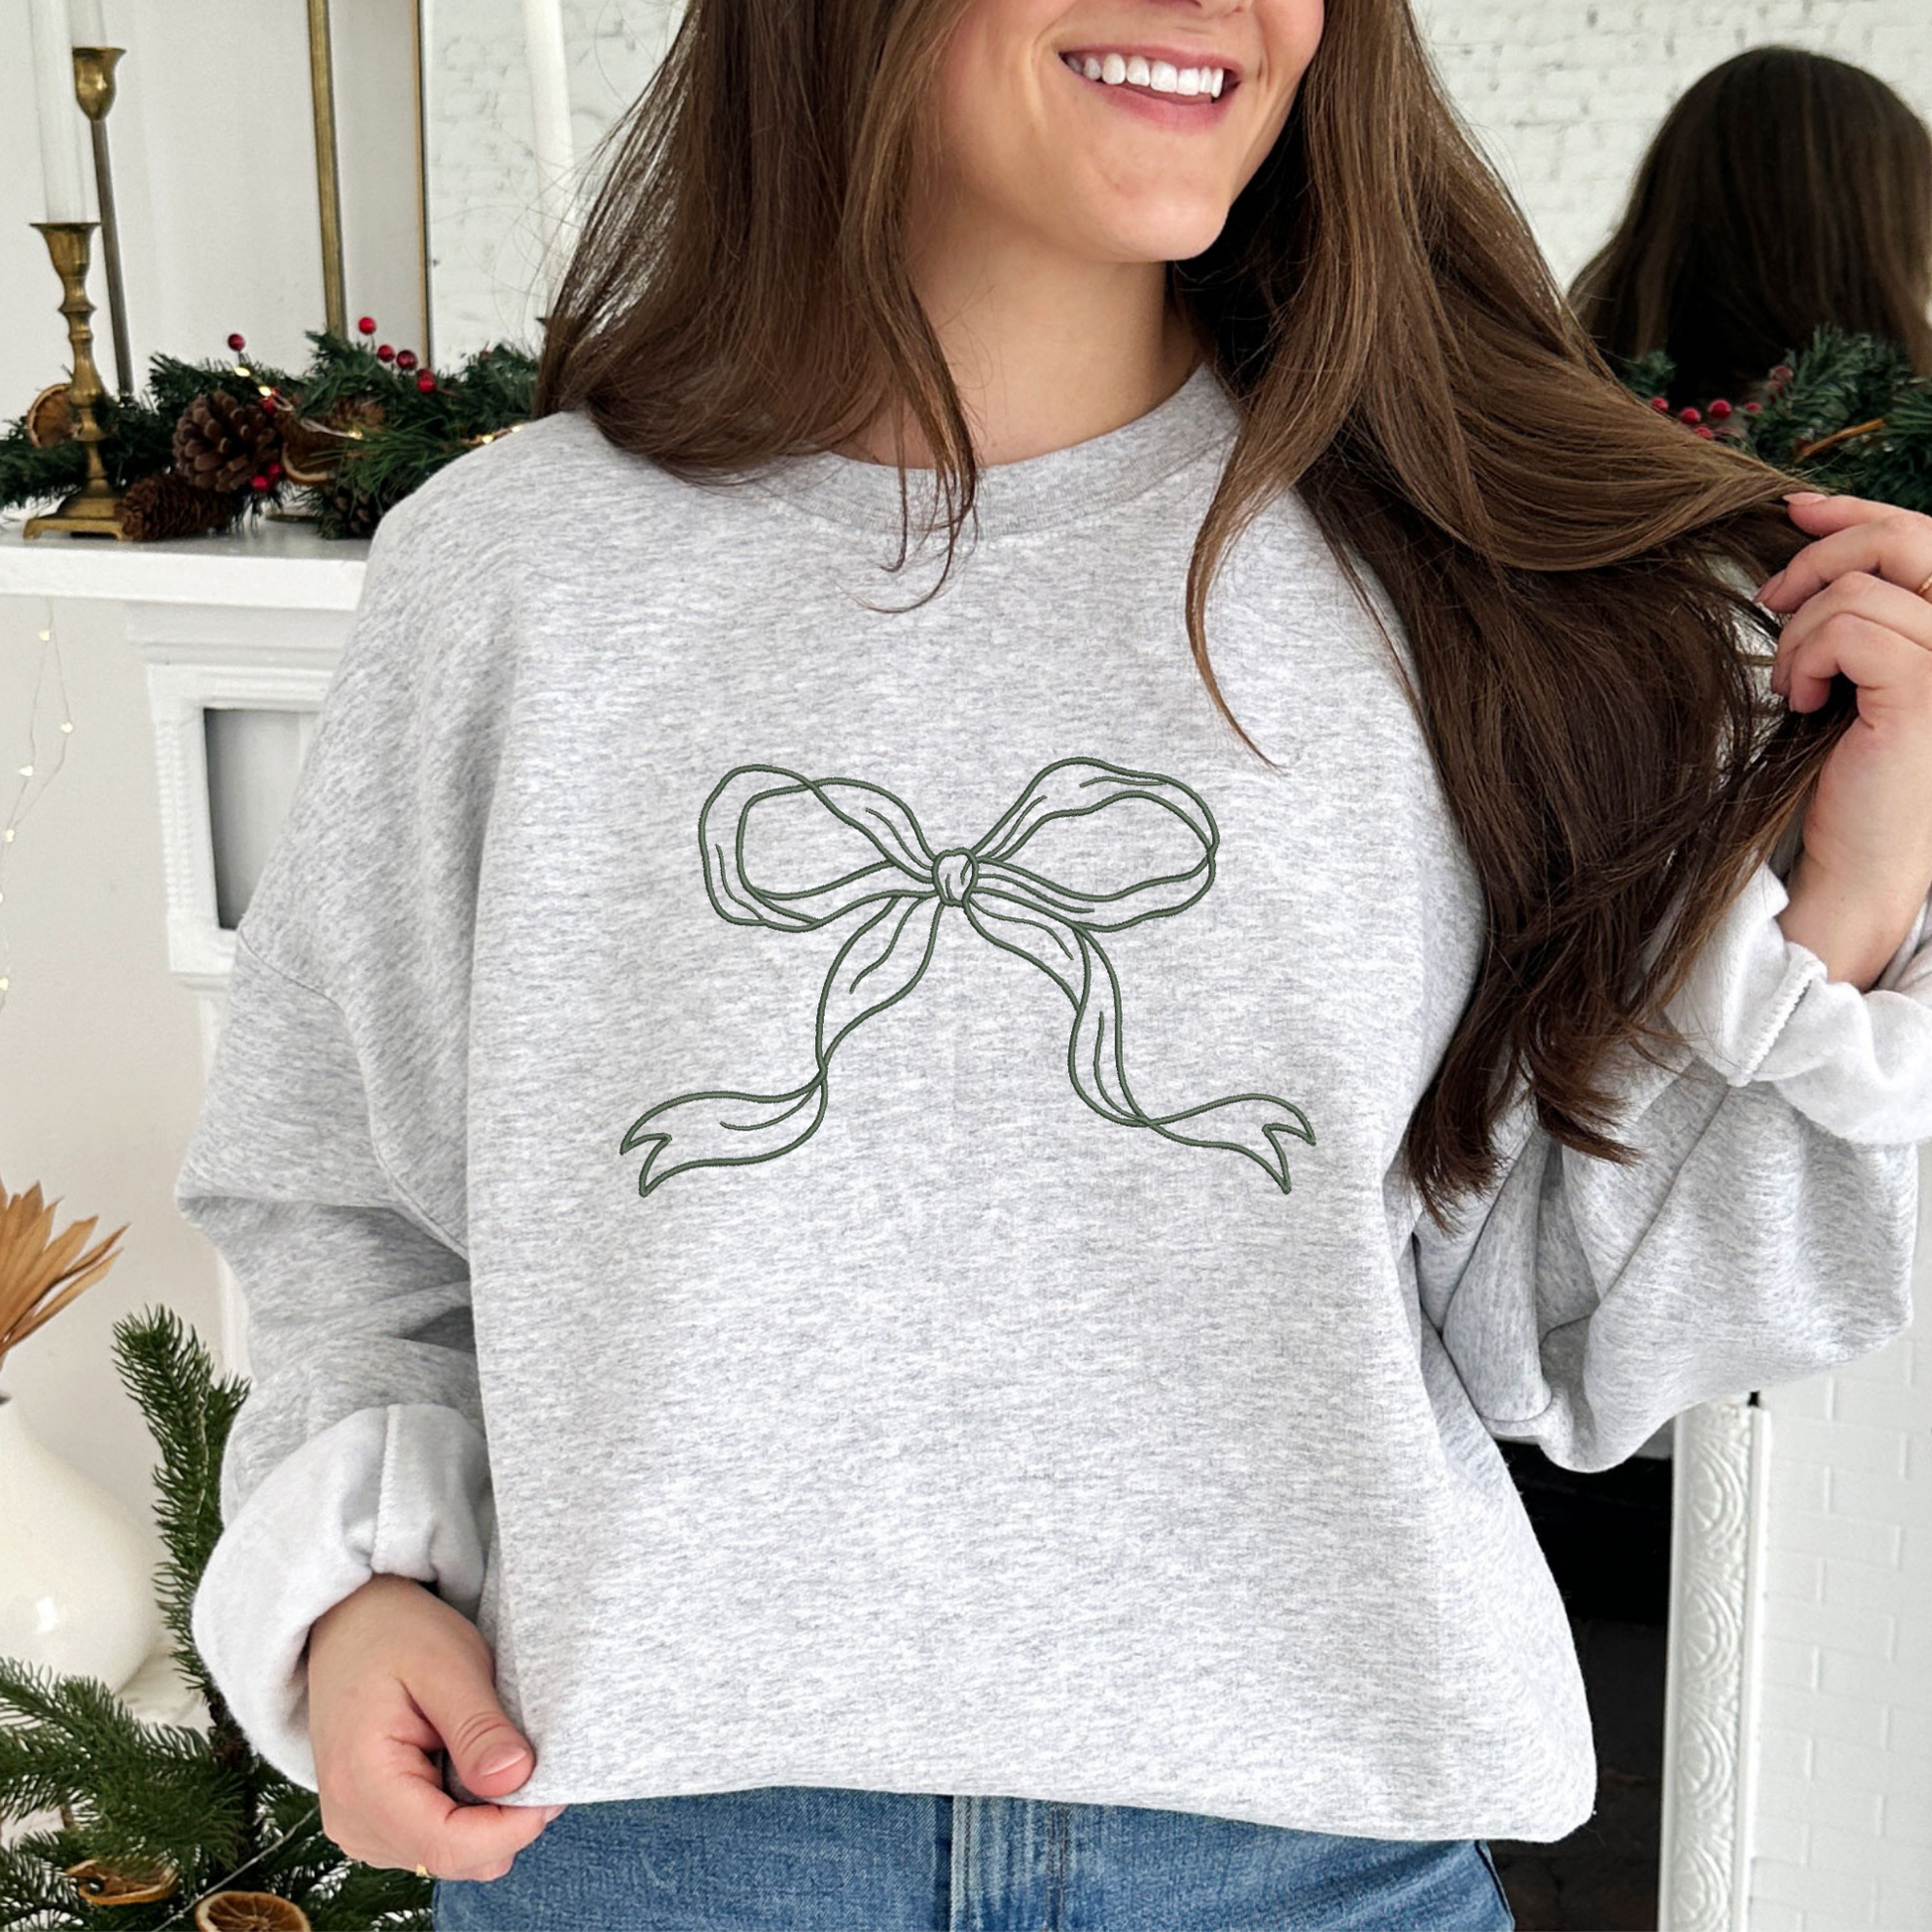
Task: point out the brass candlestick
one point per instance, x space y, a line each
95 508
93 88
329 186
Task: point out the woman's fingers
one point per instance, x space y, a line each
1816 640
1852 534
419 1822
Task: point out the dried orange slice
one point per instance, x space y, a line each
50 417
102 1883
250 1911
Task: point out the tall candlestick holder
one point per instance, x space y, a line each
93 88
95 508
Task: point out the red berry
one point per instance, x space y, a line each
1719 409
405 358
1661 404
261 483
1753 408
1782 371
426 382
367 325
1689 415
238 342
1704 429
274 469
385 353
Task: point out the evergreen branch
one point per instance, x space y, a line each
227 1879
83 1708
34 1891
189 1414
371 1895
37 1771
132 1792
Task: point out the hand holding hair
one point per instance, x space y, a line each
1859 602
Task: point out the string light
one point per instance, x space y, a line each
35 776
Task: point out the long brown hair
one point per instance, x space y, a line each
1565 562
1783 190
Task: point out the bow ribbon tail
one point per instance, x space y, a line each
721 1129
1253 1124
882 960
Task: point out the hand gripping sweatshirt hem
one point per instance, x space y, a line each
995 1427
402 1490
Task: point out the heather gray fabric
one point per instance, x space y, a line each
827 1173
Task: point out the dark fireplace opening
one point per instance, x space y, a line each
1606 1536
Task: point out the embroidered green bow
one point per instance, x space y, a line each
1032 916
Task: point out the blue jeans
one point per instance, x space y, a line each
793 1857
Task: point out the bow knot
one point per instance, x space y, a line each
952 873
1023 911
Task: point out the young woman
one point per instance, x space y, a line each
1782 189
892 1181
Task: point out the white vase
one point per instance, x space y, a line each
76 1569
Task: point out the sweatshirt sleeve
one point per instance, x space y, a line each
327 1162
1765 1234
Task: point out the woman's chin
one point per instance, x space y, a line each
1176 234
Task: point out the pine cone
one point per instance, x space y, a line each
221 444
358 514
167 504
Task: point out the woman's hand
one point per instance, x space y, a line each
1853 605
394 1674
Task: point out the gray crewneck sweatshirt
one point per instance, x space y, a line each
829 1172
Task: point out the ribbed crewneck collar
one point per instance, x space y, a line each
1036 492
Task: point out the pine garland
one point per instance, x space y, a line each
1845 413
424 420
135 1794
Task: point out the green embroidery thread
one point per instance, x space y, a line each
1028 914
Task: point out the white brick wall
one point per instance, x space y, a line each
1843 1833
1564 95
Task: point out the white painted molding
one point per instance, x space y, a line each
1718 1505
250 622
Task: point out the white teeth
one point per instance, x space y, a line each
1114 69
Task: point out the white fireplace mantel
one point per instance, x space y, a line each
257 621
279 564
252 621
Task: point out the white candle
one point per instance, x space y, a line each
89 30
60 117
556 155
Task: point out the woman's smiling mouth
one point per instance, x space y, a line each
1157 87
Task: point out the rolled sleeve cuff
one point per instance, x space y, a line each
1758 1006
401 1489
